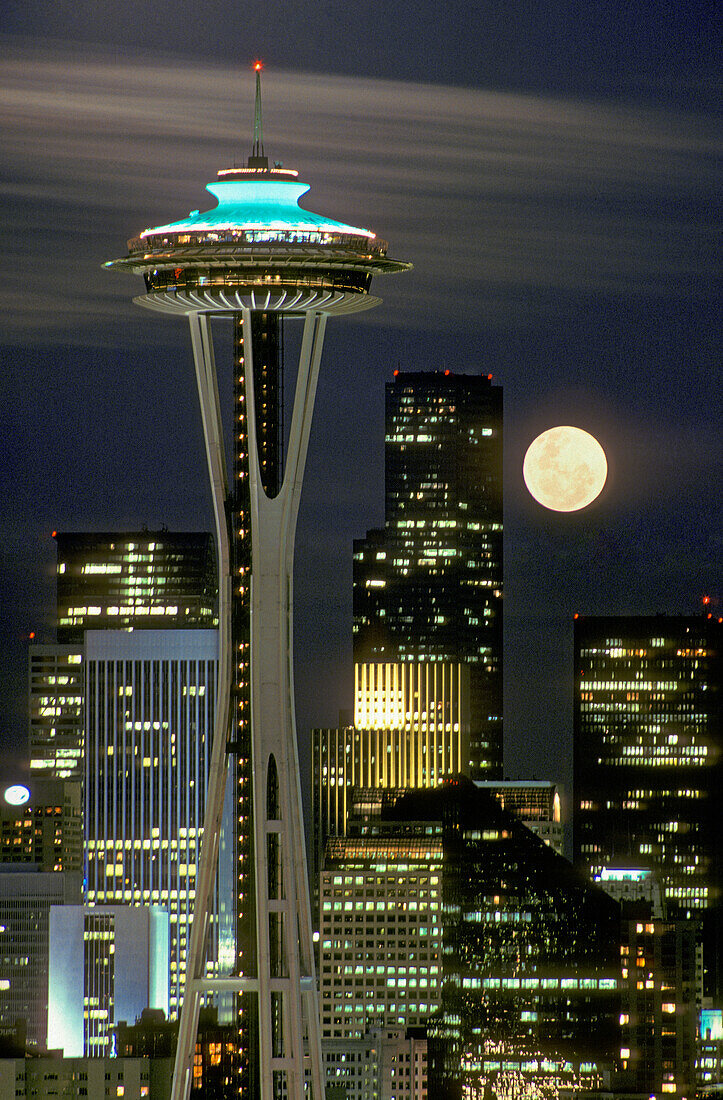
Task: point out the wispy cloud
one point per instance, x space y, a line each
489 194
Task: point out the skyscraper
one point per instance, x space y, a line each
256 257
125 704
41 865
119 580
648 759
149 705
411 729
428 586
129 580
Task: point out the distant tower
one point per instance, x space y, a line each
428 587
648 755
258 258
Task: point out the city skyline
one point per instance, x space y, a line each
579 273
562 242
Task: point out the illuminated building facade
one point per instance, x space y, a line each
381 933
648 762
384 1065
120 580
258 258
658 1007
78 1078
46 829
633 887
411 729
106 963
150 702
709 1064
535 801
530 956
55 711
25 900
659 987
109 581
428 587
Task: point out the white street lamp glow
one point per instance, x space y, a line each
17 795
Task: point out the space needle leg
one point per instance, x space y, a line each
208 861
288 997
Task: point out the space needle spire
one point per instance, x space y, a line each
257 148
260 260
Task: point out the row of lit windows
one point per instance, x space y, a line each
539 983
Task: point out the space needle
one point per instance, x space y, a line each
260 259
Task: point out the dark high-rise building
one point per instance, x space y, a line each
648 759
658 969
55 710
440 906
428 587
114 581
658 1007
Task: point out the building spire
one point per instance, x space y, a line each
258 159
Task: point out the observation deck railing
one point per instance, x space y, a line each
253 238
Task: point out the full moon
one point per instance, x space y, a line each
565 469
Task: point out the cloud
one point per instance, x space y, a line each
491 195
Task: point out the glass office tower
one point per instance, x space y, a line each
149 704
428 586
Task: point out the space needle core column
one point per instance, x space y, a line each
258 257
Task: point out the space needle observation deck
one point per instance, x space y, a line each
258 250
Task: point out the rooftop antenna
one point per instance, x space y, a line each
258 159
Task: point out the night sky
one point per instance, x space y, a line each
550 170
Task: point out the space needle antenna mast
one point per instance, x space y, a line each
258 143
258 259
